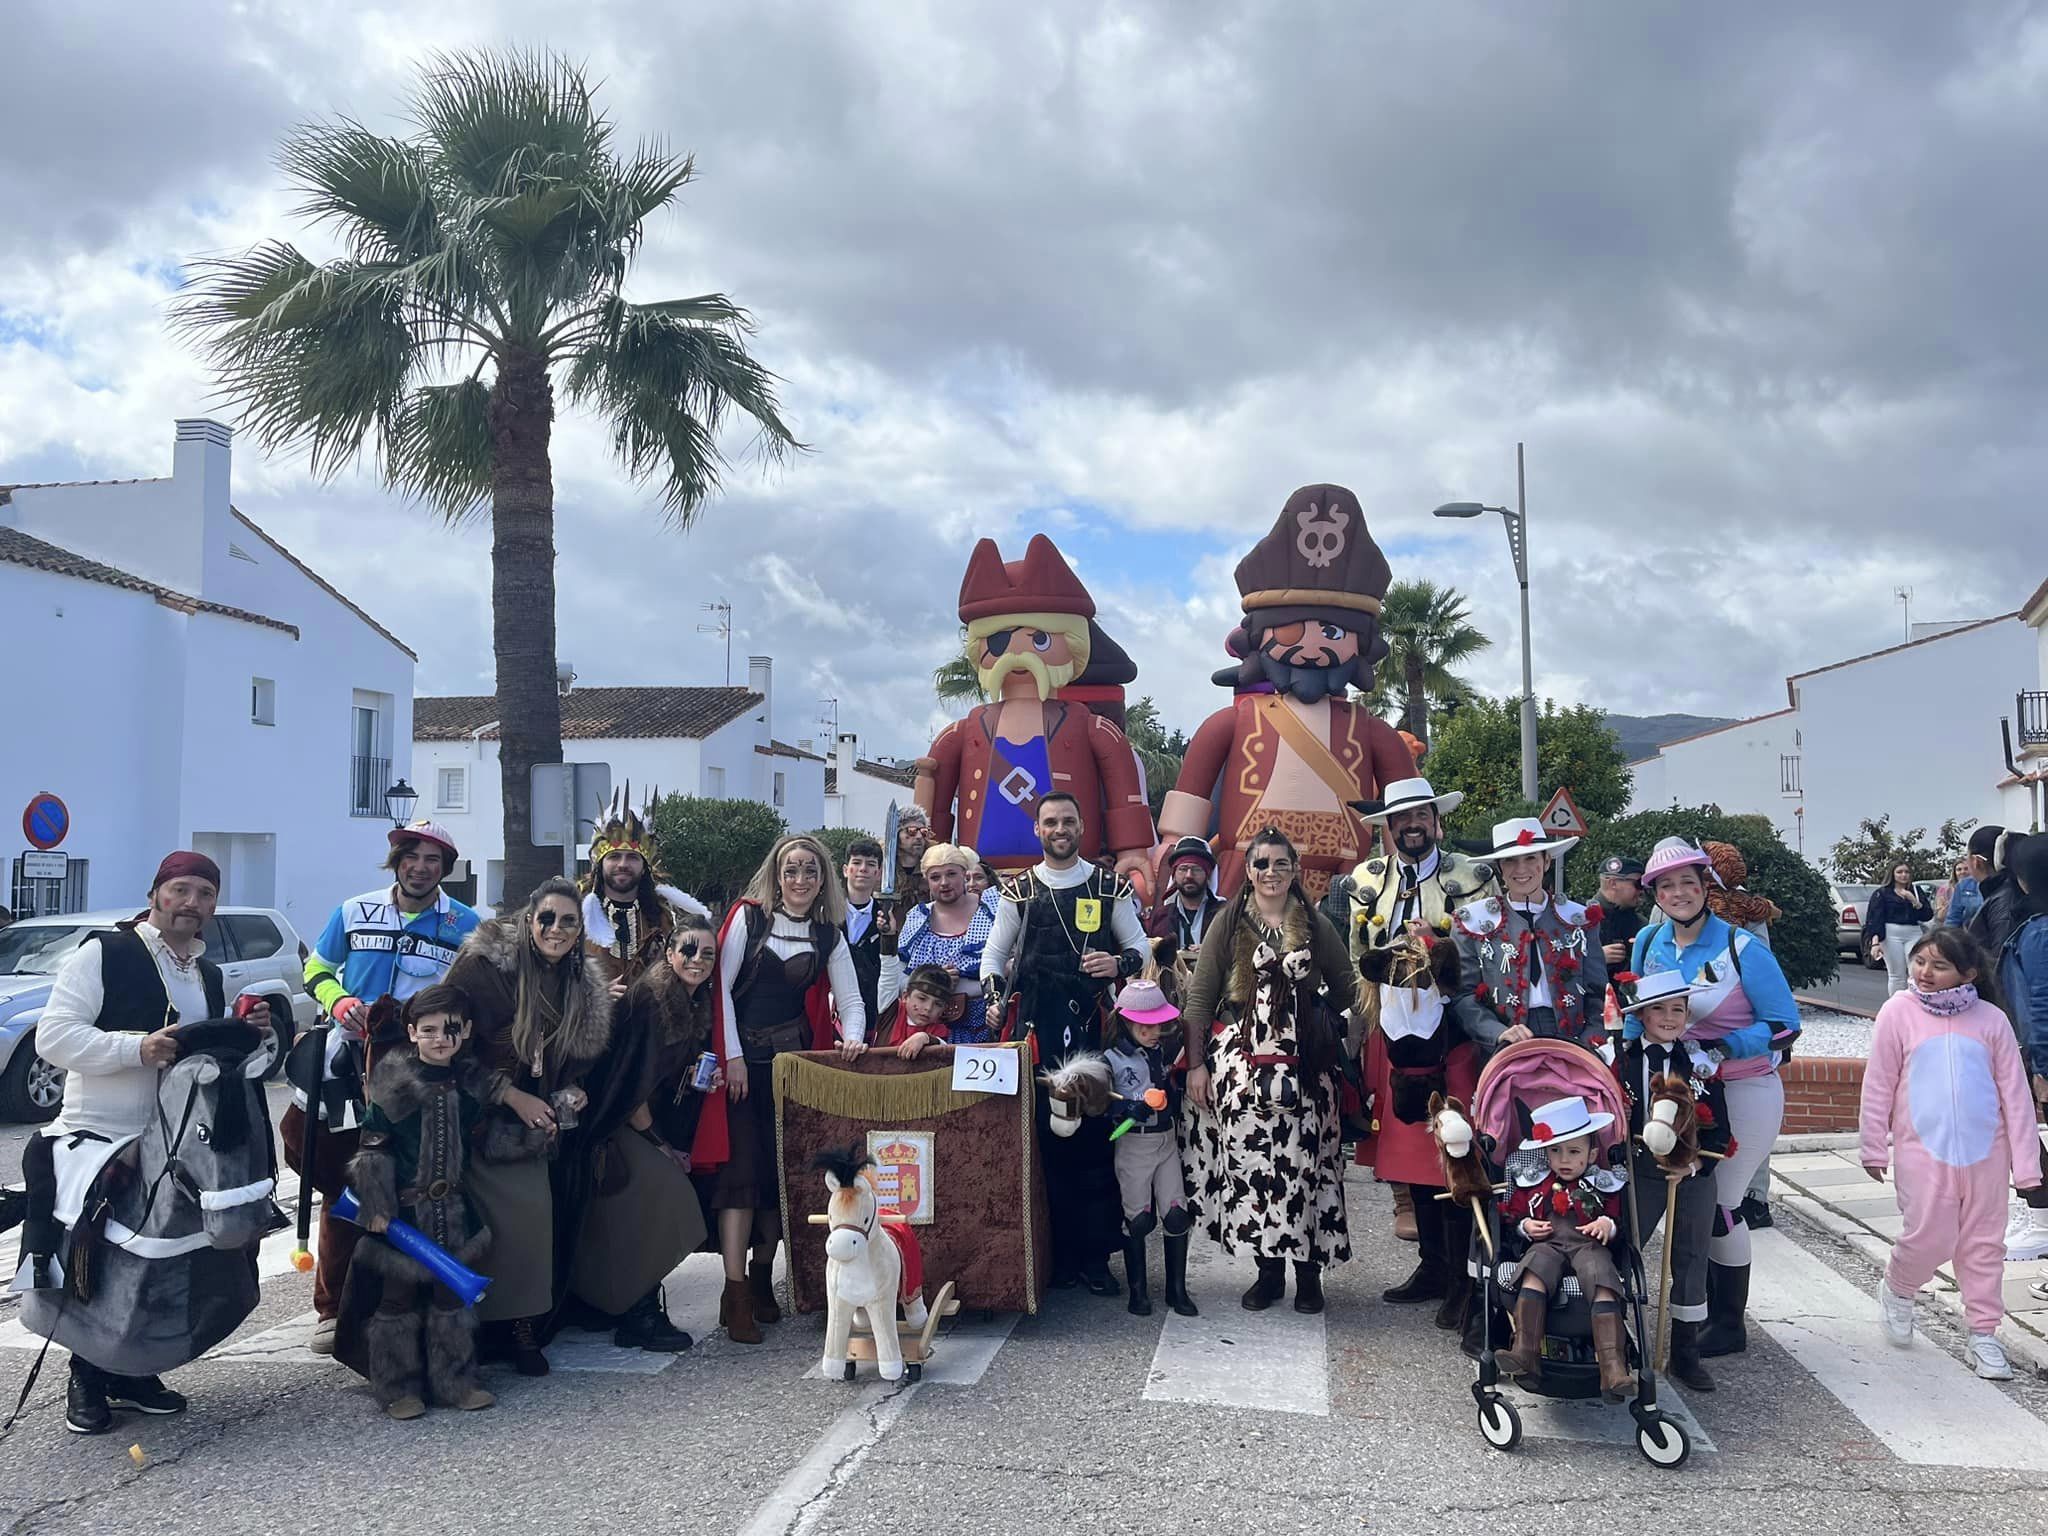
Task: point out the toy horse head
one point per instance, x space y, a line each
1671 1129
1079 1086
1408 964
853 1211
210 1140
1451 1129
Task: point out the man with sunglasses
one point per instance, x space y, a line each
391 942
1067 932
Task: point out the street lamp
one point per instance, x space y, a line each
399 800
1517 520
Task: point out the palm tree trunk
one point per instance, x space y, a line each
523 605
1416 717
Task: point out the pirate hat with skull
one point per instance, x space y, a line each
1318 565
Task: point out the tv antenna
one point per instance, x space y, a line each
723 629
1904 595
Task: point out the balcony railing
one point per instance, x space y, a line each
368 778
1788 774
2033 718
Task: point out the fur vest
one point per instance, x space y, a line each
487 971
1297 932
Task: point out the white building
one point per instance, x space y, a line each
2023 795
182 680
710 742
859 790
1911 731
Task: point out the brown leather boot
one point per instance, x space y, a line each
1404 1214
1526 1358
736 1313
761 1281
1610 1348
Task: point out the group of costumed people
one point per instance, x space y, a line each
575 1094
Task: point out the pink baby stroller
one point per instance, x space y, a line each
1517 1079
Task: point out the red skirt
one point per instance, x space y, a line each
1397 1152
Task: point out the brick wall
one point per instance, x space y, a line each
1821 1094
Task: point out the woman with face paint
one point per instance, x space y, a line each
1745 1020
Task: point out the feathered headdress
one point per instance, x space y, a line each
622 829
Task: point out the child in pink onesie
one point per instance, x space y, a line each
1945 1087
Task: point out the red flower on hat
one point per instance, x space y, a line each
1540 1130
1626 978
1524 837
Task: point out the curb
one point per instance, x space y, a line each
1817 1141
2024 1346
1832 1006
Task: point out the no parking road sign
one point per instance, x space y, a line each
45 822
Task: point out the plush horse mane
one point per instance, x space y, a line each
1671 1127
843 1164
1407 962
1082 1082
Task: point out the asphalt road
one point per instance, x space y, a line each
1083 1417
1855 989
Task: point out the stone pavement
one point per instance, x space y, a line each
1821 1179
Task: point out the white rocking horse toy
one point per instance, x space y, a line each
865 1272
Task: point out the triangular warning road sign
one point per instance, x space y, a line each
1561 816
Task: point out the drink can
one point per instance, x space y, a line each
706 1073
564 1105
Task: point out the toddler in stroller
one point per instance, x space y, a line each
1568 1216
1573 1276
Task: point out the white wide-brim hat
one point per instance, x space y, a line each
1563 1120
1659 985
1525 834
1407 795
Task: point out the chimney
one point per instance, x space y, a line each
200 463
761 680
845 753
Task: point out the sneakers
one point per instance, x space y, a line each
85 1402
646 1326
1989 1358
144 1394
321 1340
1895 1312
2038 1290
2026 1235
407 1407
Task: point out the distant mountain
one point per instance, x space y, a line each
1641 735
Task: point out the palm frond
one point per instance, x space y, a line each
956 682
503 122
377 192
440 448
669 386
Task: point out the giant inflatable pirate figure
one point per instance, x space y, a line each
1029 636
628 909
1290 752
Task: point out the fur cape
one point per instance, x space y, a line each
399 1086
1297 932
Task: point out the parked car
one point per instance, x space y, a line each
255 947
1851 901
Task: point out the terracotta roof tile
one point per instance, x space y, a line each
590 714
18 548
784 749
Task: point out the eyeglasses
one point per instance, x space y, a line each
568 922
1278 866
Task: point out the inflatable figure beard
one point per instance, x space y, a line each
1290 752
1029 636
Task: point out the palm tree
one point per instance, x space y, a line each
1430 631
956 682
486 257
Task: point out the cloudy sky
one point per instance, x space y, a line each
1758 285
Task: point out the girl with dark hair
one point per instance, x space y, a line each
1945 1100
543 1017
1263 1049
1893 921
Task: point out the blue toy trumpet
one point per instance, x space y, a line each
423 1251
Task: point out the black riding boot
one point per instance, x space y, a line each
1308 1287
1269 1287
1134 1275
1177 1296
1727 1297
1684 1365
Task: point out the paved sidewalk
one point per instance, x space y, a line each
1820 1179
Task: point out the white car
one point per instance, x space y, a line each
255 947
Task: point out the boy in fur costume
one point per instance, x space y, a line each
425 1101
1569 1215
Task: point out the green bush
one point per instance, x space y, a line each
1803 937
711 848
839 839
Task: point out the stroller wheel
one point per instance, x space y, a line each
1664 1443
1500 1426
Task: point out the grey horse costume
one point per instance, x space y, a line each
160 1228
